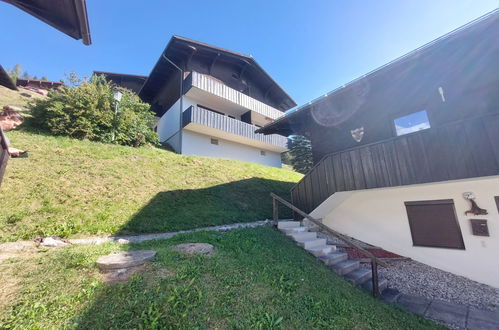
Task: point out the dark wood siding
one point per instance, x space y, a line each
465 149
4 154
434 224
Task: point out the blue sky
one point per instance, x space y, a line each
309 47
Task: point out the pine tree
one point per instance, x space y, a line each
300 150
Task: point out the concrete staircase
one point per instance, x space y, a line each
337 261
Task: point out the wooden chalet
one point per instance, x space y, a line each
426 124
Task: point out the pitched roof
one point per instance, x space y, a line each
181 49
68 16
293 118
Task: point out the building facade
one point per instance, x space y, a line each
210 101
403 152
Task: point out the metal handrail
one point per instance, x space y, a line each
374 260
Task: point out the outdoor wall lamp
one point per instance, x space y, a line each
117 95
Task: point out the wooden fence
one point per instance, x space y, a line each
459 150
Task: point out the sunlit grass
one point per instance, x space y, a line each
257 279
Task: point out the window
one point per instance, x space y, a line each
411 123
497 202
434 224
214 141
263 153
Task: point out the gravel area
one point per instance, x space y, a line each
411 277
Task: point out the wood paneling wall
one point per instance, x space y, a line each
465 149
4 154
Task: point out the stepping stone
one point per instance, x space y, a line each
482 319
446 312
344 267
194 248
288 224
359 275
124 259
390 295
333 258
413 304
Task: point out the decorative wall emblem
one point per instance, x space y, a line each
358 134
474 207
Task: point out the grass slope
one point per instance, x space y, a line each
257 279
68 187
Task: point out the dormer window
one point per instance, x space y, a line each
414 122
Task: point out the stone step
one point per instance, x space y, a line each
345 267
322 250
288 224
301 236
292 230
382 284
312 242
334 258
359 275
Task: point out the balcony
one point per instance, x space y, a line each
207 122
214 94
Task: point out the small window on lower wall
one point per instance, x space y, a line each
214 141
263 153
434 224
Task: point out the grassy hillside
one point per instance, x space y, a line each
257 279
68 187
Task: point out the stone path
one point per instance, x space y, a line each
453 315
22 246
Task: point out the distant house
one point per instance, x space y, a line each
130 81
41 84
211 100
398 151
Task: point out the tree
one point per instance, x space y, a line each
87 111
15 72
300 151
44 78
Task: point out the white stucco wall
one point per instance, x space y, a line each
200 144
379 217
168 127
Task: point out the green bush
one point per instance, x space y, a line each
87 111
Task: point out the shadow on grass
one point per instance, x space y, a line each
238 201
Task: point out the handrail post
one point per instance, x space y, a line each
275 210
374 269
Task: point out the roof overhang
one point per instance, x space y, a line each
5 80
67 16
181 50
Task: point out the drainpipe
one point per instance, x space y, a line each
181 103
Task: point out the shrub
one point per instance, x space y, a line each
87 111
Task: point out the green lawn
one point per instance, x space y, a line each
68 187
257 278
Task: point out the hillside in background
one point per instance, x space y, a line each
69 187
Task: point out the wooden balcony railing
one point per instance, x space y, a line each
454 151
212 86
195 114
